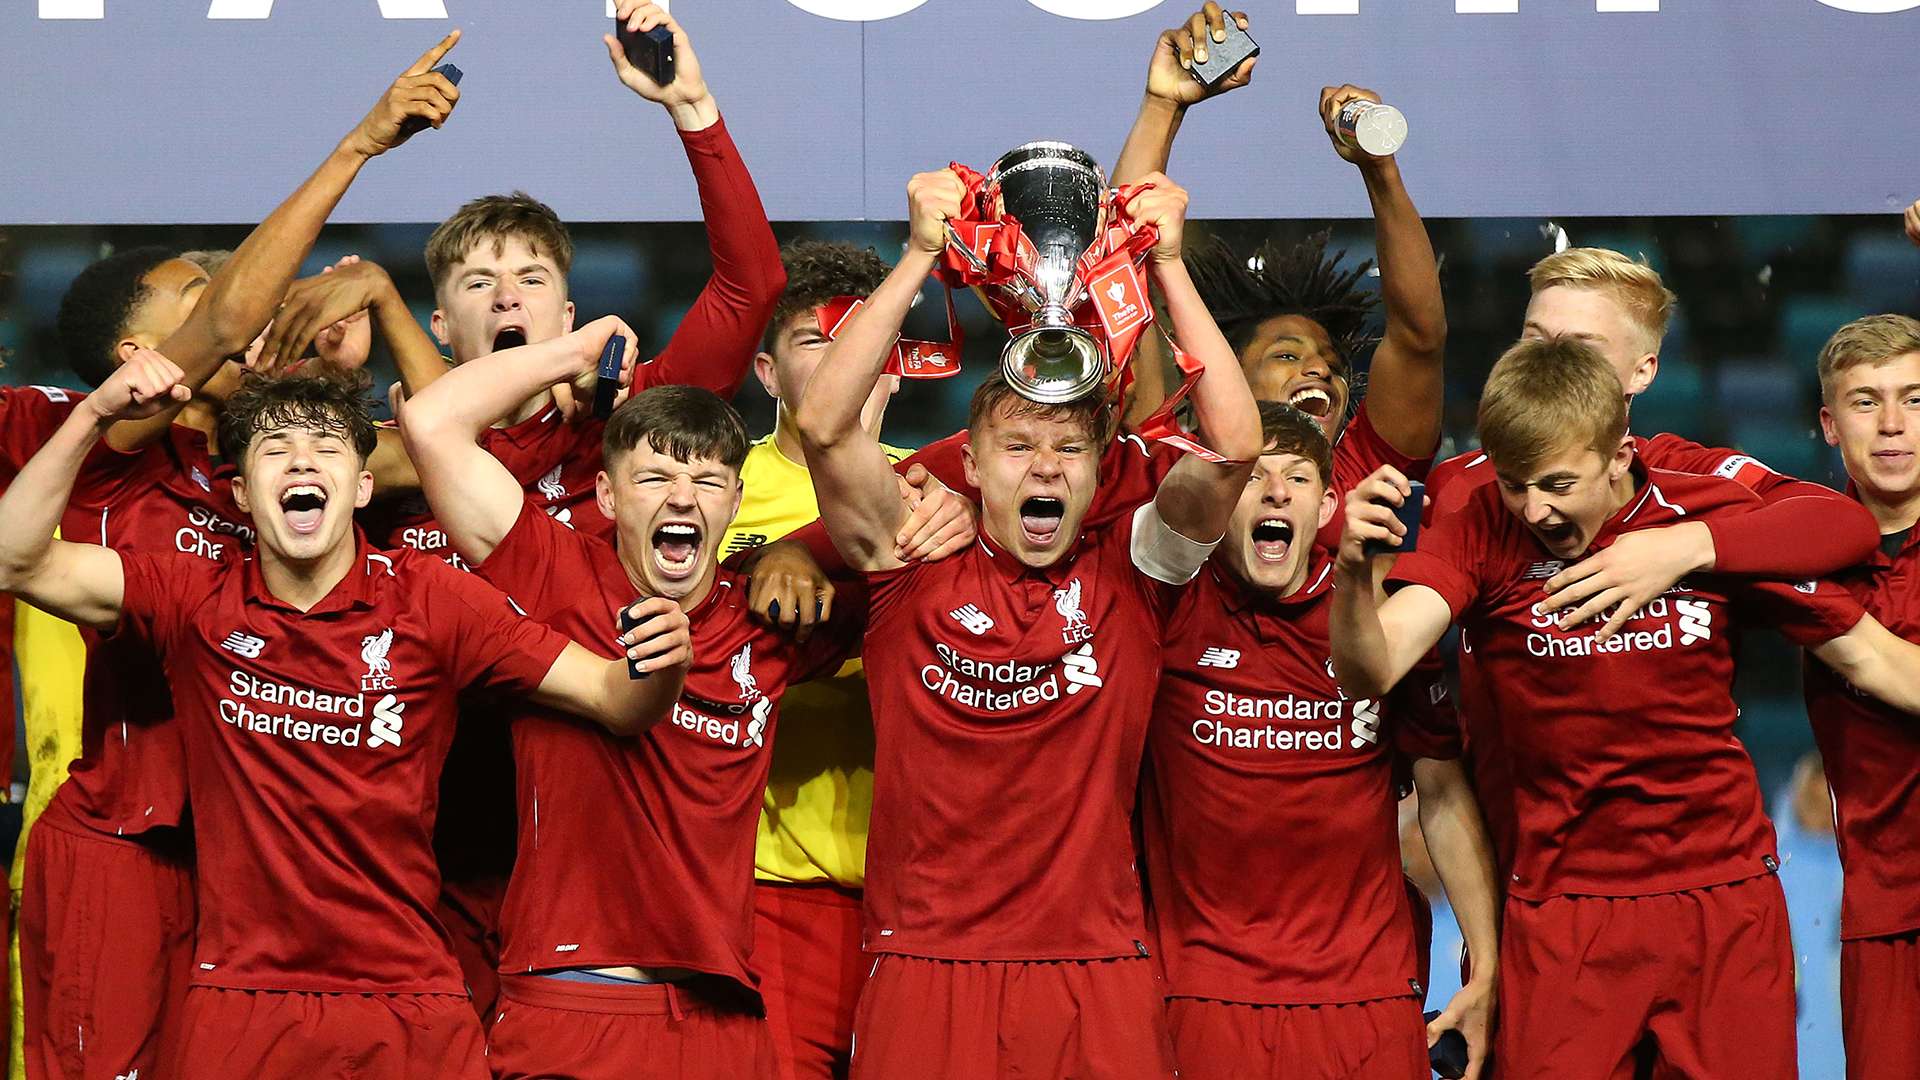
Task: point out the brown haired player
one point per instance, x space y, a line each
1641 904
313 684
628 918
1269 818
1011 688
1870 409
102 994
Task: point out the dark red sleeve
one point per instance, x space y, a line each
155 594
1362 450
1453 556
1425 724
531 564
1808 613
715 343
946 461
1801 530
481 639
28 417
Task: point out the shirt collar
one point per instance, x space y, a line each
1646 494
1013 570
359 589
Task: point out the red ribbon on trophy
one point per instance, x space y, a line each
911 358
994 254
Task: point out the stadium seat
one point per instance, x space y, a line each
1883 273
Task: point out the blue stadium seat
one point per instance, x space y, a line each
44 272
1787 446
609 277
1806 322
1762 238
1677 400
1883 273
1763 388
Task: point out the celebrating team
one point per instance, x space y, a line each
514 741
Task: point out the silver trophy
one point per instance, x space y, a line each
1055 191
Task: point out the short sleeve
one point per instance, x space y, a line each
527 563
159 593
483 641
1451 558
1806 613
28 417
1425 723
1362 450
946 460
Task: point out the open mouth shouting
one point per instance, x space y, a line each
304 506
1315 401
1272 539
1040 519
510 336
1557 535
676 550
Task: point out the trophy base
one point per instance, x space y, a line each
1053 365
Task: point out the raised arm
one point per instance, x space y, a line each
1376 638
472 494
1172 88
603 690
315 304
242 297
1456 838
715 342
82 583
859 496
1406 385
1198 496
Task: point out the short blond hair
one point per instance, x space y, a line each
1636 285
1545 393
1868 340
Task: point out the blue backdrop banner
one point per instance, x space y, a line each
193 111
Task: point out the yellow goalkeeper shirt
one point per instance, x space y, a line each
813 820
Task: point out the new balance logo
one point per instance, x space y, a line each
971 617
134 1075
244 644
1081 670
384 728
1220 658
1696 620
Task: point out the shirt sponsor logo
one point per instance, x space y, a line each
246 692
1220 658
384 728
1541 571
1657 627
976 621
1067 602
550 485
244 644
746 723
1006 685
1341 722
192 538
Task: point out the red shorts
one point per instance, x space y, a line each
106 947
982 1020
559 1030
806 950
1368 1040
1704 977
1880 1006
470 910
274 1033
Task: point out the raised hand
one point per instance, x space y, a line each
1913 223
1170 74
1332 100
1370 515
932 199
589 340
142 386
1162 205
939 522
419 93
687 96
328 310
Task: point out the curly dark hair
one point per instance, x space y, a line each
820 270
266 404
1300 279
99 304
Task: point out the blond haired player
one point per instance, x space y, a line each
1870 409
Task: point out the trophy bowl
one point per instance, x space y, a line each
1056 192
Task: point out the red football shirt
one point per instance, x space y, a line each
314 744
640 851
1010 712
1811 521
1872 754
1269 814
167 498
556 461
1626 777
29 415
